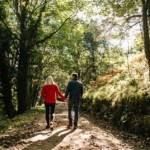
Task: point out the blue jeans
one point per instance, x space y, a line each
73 104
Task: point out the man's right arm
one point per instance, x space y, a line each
68 89
81 90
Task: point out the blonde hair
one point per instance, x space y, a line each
49 81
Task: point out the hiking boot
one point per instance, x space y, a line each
69 126
51 125
75 127
47 127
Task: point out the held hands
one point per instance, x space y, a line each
66 100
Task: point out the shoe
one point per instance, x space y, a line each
51 125
75 127
47 127
69 126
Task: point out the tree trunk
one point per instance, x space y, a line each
23 64
93 61
22 79
6 85
146 32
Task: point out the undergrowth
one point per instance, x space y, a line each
19 120
124 100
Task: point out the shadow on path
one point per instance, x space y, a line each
50 142
91 135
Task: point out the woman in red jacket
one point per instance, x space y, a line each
49 91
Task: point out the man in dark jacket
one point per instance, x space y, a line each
75 92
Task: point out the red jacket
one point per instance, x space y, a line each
49 93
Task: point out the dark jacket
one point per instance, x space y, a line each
74 90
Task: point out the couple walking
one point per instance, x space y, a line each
74 92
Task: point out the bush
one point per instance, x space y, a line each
125 103
128 114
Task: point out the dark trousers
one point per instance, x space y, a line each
73 104
50 108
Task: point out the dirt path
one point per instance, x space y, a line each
87 137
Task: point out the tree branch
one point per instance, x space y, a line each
143 1
132 26
16 9
147 3
27 3
51 34
9 29
41 5
134 16
37 22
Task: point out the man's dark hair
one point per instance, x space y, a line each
75 76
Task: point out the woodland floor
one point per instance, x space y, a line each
90 135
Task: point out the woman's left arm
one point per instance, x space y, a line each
59 93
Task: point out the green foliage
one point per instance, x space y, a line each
120 8
19 120
123 101
29 27
138 43
52 45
